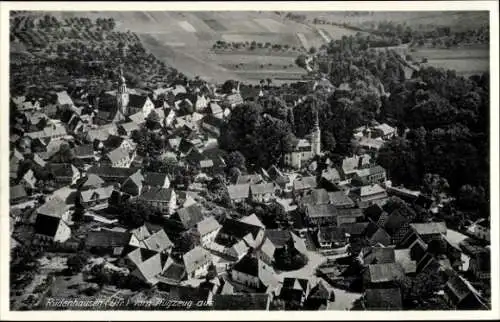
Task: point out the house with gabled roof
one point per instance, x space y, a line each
321 214
96 198
254 274
107 240
118 158
84 153
52 221
112 174
462 295
17 194
262 192
188 217
295 289
28 180
147 269
429 231
133 185
207 230
151 238
162 199
383 275
238 192
197 261
303 184
64 173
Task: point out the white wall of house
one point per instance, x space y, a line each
245 279
63 232
209 237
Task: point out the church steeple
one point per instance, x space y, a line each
122 96
316 135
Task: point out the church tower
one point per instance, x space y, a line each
316 137
122 97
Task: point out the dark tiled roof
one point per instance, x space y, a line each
137 101
157 194
238 229
46 225
317 197
378 255
354 229
107 238
154 179
331 234
315 211
106 171
278 237
190 216
383 299
17 192
340 199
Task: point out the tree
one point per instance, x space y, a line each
152 119
228 86
435 185
301 61
77 262
237 160
288 259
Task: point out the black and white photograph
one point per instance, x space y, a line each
310 159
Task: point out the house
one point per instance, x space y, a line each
216 110
238 192
462 295
28 180
197 261
351 164
206 166
367 195
481 229
148 265
285 240
63 101
384 131
480 265
207 230
17 194
383 275
383 299
49 132
340 200
233 100
332 238
112 174
15 160
253 220
321 214
160 198
117 158
368 176
377 235
212 125
64 173
156 179
429 231
234 231
84 153
316 197
107 240
133 185
319 295
151 238
397 226
188 217
303 184
295 290
174 274
263 192
139 103
52 220
376 255
96 198
330 177
241 302
349 215
254 274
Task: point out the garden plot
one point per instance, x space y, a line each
272 25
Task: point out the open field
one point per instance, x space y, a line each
184 41
465 61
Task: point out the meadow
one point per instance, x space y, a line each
465 61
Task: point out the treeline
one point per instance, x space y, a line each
253 45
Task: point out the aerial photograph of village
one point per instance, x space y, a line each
249 160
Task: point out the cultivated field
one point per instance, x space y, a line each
465 61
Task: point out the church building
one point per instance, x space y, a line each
305 150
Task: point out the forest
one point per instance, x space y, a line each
446 117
